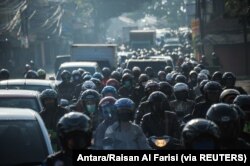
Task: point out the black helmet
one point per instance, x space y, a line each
212 86
136 71
96 81
166 88
72 123
151 86
161 75
31 74
65 75
143 78
168 69
116 75
217 76
226 117
157 96
197 69
76 75
48 94
126 71
197 129
243 101
228 78
202 84
90 94
125 109
4 74
127 77
149 71
180 79
228 95
106 72
41 73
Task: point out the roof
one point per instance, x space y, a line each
94 45
77 64
18 93
26 82
146 60
17 114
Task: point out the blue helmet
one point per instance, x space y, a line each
124 103
109 90
98 75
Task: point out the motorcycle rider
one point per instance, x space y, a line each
159 121
181 106
4 74
106 72
127 88
31 74
229 80
212 91
109 91
124 134
41 74
108 112
51 113
74 131
65 88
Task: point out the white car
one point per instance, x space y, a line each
28 84
21 99
24 139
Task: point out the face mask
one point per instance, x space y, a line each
124 116
91 108
107 111
77 141
182 96
127 84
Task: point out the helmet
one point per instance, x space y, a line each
136 71
98 75
180 79
201 66
87 77
197 69
217 76
113 82
65 75
109 91
76 75
127 77
212 86
96 81
166 88
228 79
48 93
31 74
116 75
196 129
90 94
125 109
126 71
168 69
202 84
151 86
228 95
161 75
185 68
193 73
41 73
205 71
157 96
143 78
4 74
226 117
149 71
181 87
107 107
106 72
81 71
75 122
243 101
27 67
202 76
88 85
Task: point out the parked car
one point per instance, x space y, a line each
21 99
24 139
61 59
91 67
28 84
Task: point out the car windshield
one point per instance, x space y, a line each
156 65
21 141
18 102
38 88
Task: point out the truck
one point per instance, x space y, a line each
139 39
104 54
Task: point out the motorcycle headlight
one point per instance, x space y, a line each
161 142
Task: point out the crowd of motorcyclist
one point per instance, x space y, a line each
187 107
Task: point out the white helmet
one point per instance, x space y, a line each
180 87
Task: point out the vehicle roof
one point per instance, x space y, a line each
94 45
146 60
18 93
141 31
78 64
17 114
26 82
